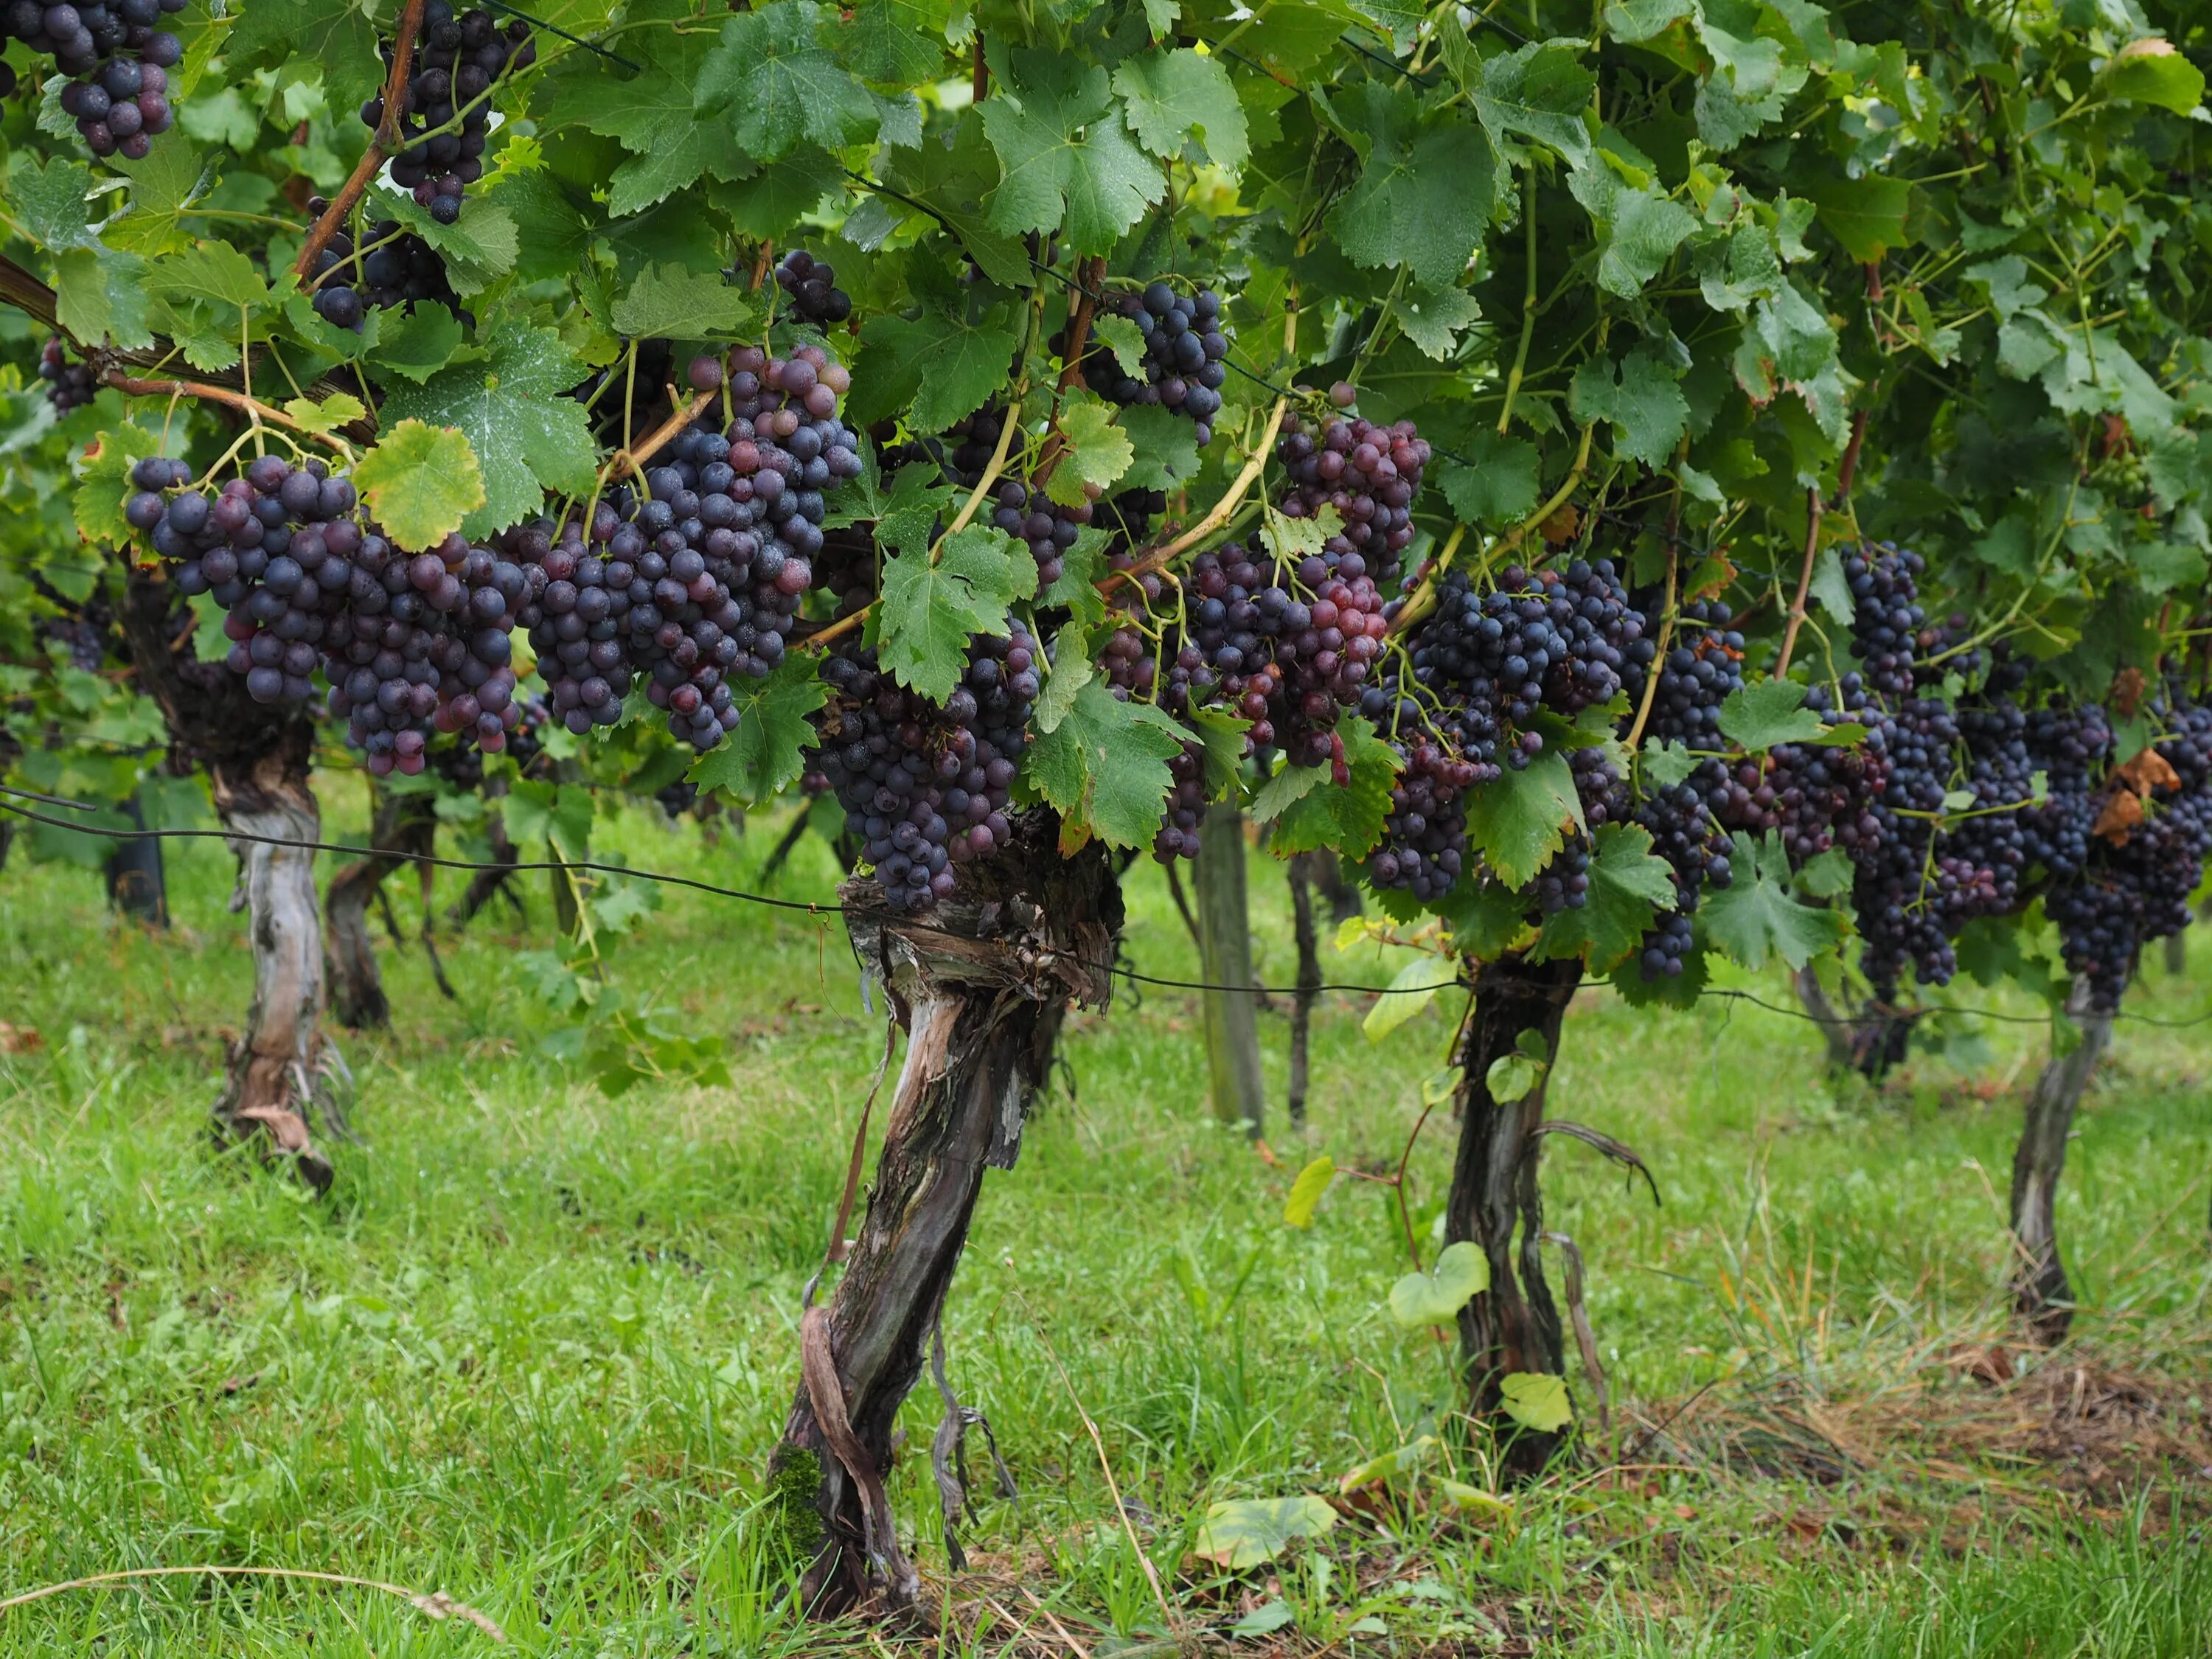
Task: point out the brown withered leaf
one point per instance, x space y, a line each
20 1039
1560 528
2148 771
2127 691
2123 812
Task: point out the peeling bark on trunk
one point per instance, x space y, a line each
2040 1289
257 759
1835 1027
399 823
1224 932
1495 1199
1868 1042
981 985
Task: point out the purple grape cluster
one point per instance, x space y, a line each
1184 354
1885 614
1370 474
69 386
701 579
392 267
812 285
408 642
117 62
1029 515
926 788
458 56
1423 845
1184 814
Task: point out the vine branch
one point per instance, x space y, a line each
381 143
1804 581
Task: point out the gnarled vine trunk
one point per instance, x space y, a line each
981 987
2040 1289
1225 942
1496 1201
400 823
281 1068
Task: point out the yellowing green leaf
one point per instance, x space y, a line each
1536 1401
421 483
1461 1273
1306 1191
1411 988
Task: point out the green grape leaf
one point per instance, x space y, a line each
1640 397
1105 765
104 483
767 751
1498 482
1166 448
1098 451
1539 91
562 818
337 36
102 295
1169 95
1072 669
1434 319
1411 988
937 367
1629 885
780 87
1461 1273
1665 764
416 343
512 403
1632 20
421 483
1755 917
170 178
1123 338
1349 819
1519 821
213 271
1639 229
1867 214
893 42
1536 1401
1422 197
1070 165
49 203
930 607
672 302
1306 1192
1759 716
2153 71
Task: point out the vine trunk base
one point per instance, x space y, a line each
981 986
1496 1201
2040 1289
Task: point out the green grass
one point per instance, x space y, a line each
534 1350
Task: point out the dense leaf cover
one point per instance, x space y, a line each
1677 477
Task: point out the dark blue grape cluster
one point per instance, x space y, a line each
1704 665
392 267
1183 366
1423 845
117 62
410 643
700 579
1886 615
812 285
1049 529
458 56
926 787
1183 815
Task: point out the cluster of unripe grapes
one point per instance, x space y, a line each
457 57
117 62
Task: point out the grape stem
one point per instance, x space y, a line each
1089 279
633 459
253 408
1814 510
381 143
